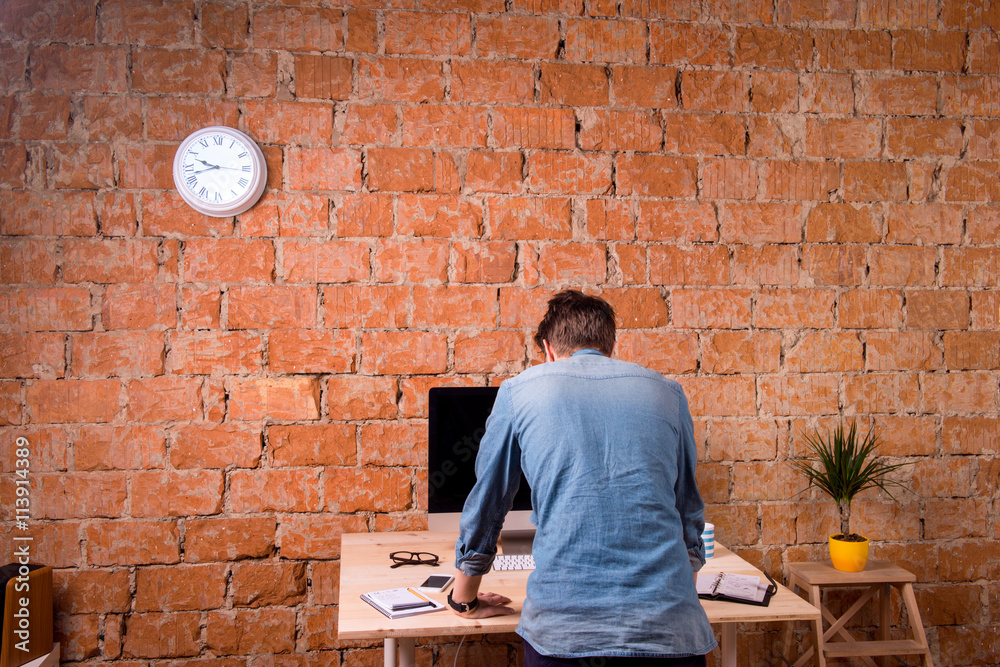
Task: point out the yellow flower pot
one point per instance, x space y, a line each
848 556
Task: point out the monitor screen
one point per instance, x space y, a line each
456 424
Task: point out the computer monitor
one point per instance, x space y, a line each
456 422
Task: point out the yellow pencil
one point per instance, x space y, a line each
420 596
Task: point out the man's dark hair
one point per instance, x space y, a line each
574 321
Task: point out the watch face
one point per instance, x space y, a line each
219 171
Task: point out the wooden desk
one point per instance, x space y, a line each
364 566
879 577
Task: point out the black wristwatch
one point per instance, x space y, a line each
463 607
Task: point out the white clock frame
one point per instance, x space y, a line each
244 201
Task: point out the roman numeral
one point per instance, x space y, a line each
246 167
203 142
217 140
244 182
243 154
192 180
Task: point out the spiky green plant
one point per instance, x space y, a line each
846 466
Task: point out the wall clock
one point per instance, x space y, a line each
219 171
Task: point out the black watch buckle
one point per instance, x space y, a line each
463 607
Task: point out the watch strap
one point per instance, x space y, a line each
463 607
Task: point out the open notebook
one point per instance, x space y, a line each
742 588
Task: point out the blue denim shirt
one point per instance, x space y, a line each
608 449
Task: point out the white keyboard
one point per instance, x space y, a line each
514 562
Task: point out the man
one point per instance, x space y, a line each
608 449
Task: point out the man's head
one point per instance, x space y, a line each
574 321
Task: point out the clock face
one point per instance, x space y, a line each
219 171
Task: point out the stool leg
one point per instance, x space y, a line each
800 660
786 643
814 599
788 633
916 624
884 620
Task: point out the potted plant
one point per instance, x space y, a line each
843 466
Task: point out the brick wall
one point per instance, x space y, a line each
793 207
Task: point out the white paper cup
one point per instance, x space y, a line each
708 537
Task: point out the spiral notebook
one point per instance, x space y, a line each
400 602
742 588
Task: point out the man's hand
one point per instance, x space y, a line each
490 604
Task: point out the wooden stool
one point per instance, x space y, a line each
878 576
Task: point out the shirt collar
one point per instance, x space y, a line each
587 350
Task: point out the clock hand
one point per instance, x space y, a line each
203 170
207 164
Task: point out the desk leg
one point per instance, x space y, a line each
399 652
728 648
407 655
389 657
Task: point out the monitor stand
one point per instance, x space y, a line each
516 542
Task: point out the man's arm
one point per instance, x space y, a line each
688 498
498 475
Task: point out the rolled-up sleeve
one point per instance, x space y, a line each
689 502
498 475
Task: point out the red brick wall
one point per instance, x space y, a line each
793 207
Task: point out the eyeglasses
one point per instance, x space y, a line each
412 558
